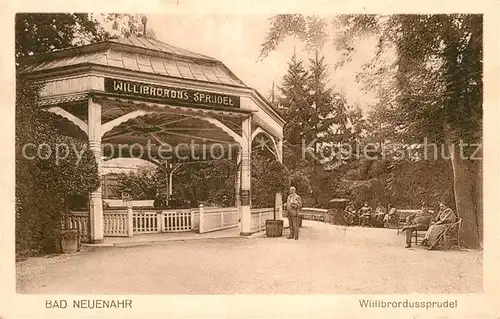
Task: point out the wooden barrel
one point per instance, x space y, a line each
274 228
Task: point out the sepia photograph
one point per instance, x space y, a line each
248 154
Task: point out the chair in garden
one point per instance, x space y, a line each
449 238
419 236
393 222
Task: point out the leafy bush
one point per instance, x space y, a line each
301 183
42 181
146 183
268 178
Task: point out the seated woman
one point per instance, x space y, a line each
379 215
349 214
365 214
391 217
444 217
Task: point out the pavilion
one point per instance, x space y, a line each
139 97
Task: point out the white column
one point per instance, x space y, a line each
171 172
94 134
278 199
237 183
246 149
278 204
170 175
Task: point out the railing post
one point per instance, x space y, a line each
222 218
260 221
201 227
130 221
159 220
191 212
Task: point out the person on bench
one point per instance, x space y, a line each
444 217
379 215
349 214
416 221
365 214
390 217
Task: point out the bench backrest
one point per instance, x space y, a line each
404 213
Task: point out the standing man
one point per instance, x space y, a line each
293 206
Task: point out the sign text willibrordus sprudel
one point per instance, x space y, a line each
170 94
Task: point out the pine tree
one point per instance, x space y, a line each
321 99
295 104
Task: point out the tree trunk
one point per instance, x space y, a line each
464 181
274 210
479 200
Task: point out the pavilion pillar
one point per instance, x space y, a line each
237 184
246 149
94 134
170 178
278 199
171 170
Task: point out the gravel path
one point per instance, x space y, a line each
325 260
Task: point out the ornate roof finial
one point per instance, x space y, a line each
144 21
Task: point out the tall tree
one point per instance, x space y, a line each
445 98
295 103
43 32
321 98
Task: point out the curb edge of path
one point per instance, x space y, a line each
260 234
145 243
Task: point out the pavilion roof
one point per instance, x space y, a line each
136 54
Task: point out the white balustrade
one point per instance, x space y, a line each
146 222
259 217
214 218
176 220
79 220
128 221
115 223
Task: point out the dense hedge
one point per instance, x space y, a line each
42 179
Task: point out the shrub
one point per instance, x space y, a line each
43 183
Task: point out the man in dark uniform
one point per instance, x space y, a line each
293 206
417 221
